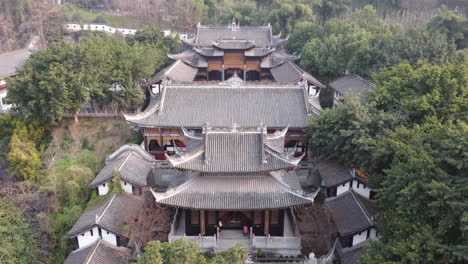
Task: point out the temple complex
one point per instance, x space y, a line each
225 148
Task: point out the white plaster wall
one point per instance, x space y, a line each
358 238
362 189
99 27
4 106
336 98
109 237
373 233
127 187
341 189
103 188
86 238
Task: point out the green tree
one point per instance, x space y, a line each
152 253
24 156
331 8
285 14
332 55
154 37
18 243
354 128
454 26
302 33
50 83
235 255
424 91
243 12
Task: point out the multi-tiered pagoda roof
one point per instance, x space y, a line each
215 52
235 169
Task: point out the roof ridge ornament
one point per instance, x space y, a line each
234 128
234 26
234 81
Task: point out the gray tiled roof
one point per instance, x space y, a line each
350 255
111 214
10 61
233 192
192 106
333 173
289 72
99 252
133 163
258 52
209 52
191 58
351 84
206 35
349 213
178 71
234 44
227 151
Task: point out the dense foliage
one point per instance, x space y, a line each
102 69
182 251
25 152
411 134
365 44
18 243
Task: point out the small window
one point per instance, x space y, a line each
91 231
344 184
358 184
82 234
125 183
104 185
108 232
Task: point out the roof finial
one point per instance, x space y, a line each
234 127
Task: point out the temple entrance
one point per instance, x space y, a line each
207 222
234 220
230 72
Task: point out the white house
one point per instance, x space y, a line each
132 163
338 179
99 252
353 216
108 219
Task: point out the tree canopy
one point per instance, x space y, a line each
18 241
410 134
365 44
454 26
183 251
102 69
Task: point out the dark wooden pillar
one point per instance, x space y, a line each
202 222
267 222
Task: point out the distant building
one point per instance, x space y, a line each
74 27
349 85
9 63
